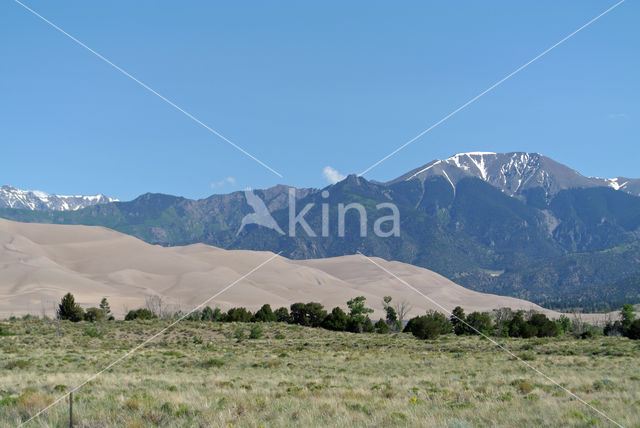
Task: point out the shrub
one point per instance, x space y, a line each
69 309
17 364
382 327
238 333
428 326
544 326
94 315
212 363
265 314
238 315
336 320
633 331
93 332
367 326
209 314
139 314
480 321
308 314
255 332
282 315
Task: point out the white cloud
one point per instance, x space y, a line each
332 175
228 180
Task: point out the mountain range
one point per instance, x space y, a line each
11 197
516 224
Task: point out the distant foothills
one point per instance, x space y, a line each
515 224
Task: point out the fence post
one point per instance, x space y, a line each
71 410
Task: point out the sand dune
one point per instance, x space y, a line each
39 263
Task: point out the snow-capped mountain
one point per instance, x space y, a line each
34 200
516 172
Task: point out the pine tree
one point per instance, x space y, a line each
69 309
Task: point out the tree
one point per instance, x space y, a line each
358 314
402 309
336 320
157 306
428 326
502 318
458 319
565 323
544 326
627 316
106 309
282 315
308 314
382 326
69 309
238 315
479 322
213 315
94 315
518 327
367 326
633 331
391 315
265 314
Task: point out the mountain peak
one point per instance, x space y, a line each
36 200
515 172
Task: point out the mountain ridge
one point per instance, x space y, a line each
560 244
35 200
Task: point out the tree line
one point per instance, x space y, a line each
502 322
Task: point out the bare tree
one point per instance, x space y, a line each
402 309
156 305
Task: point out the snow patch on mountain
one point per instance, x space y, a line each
36 200
515 173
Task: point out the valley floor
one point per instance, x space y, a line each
200 374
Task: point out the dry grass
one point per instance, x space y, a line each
200 375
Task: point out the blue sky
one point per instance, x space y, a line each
303 86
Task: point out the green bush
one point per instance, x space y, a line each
428 326
255 332
633 331
309 314
238 333
94 315
209 314
93 332
265 314
382 327
238 315
139 314
336 320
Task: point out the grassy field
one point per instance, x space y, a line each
201 374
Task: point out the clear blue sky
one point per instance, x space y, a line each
305 85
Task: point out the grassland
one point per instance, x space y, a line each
200 374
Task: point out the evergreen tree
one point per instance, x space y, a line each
382 327
336 320
104 306
282 315
458 318
627 316
265 314
69 310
